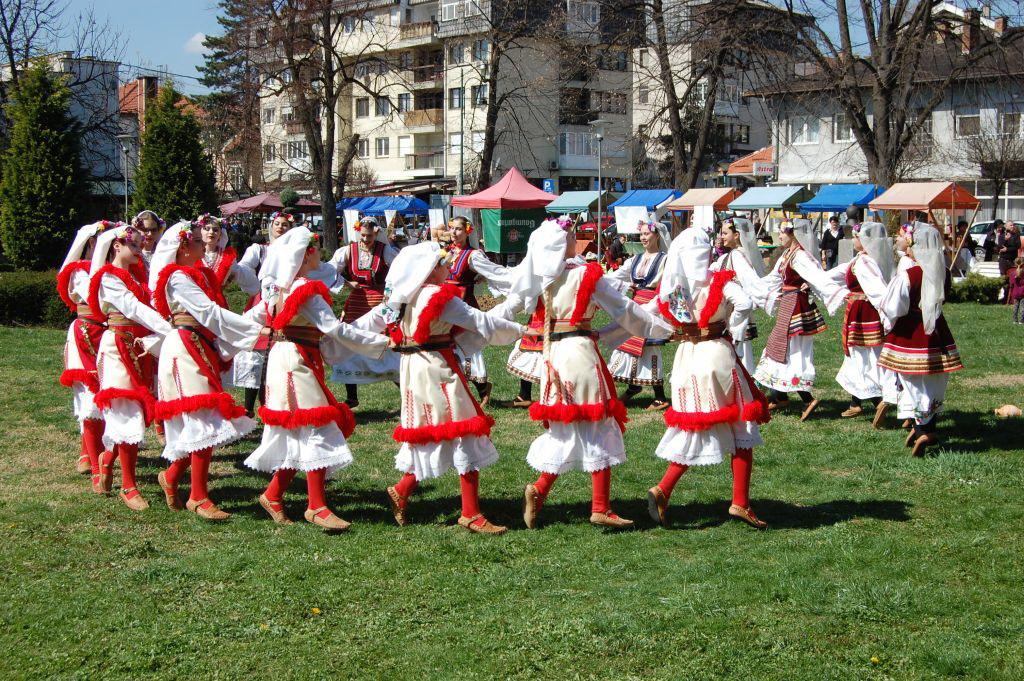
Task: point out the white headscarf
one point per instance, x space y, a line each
664 236
409 270
85 233
284 258
805 233
686 266
379 234
748 242
202 219
103 243
544 262
877 244
166 251
929 254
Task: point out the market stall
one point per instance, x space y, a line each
777 202
583 205
702 204
510 210
635 206
836 198
265 203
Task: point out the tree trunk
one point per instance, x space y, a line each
706 121
997 192
672 107
483 177
330 214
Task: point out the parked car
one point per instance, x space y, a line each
978 232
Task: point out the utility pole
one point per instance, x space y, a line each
462 129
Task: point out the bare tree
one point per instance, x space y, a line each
997 154
889 82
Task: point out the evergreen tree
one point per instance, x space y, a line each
175 176
43 180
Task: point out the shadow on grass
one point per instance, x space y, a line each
974 431
782 515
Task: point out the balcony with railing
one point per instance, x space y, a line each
419 33
423 119
426 162
427 74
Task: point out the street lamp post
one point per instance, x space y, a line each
598 126
125 140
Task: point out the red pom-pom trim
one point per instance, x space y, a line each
586 290
137 289
64 281
574 413
223 403
105 397
87 378
697 421
432 310
296 299
715 296
757 411
227 258
477 425
312 417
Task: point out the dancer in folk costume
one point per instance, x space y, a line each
123 366
865 279
716 407
151 226
305 426
363 266
920 347
469 264
221 258
198 414
442 426
247 368
742 257
638 362
83 339
787 363
583 416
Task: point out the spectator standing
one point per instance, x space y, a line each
830 243
993 240
1016 287
616 252
1010 248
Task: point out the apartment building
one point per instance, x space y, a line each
420 101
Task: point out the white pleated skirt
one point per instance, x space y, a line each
796 374
201 429
922 396
707 447
434 459
308 448
646 370
124 423
585 445
525 364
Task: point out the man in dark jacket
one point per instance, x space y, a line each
1010 248
994 241
830 243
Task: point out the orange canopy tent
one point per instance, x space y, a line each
716 197
925 196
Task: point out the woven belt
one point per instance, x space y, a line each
576 333
691 333
83 310
123 326
565 327
433 344
183 320
308 336
856 296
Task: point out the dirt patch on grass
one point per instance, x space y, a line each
994 381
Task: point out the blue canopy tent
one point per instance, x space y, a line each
833 198
404 205
648 198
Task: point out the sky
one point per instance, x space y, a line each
160 34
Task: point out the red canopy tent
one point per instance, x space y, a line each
510 210
511 191
265 203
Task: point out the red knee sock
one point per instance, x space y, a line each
316 482
671 477
92 440
742 463
200 474
544 482
279 484
129 455
177 468
404 487
602 484
107 458
469 483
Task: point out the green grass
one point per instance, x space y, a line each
871 555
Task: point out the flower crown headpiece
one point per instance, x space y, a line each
104 225
206 219
314 241
855 228
787 227
469 225
565 223
282 214
137 220
185 234
908 230
123 232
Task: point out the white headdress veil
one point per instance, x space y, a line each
928 253
807 235
686 266
284 258
103 243
664 236
878 245
202 219
85 233
544 262
748 242
409 270
166 251
379 233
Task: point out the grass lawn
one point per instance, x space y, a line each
875 565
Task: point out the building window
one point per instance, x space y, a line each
968 124
382 146
383 67
577 144
643 95
405 60
363 148
269 153
268 116
481 48
457 53
381 106
804 130
455 142
287 115
296 150
742 134
349 24
404 145
458 9
842 131
236 177
1009 123
641 58
476 142
362 107
478 95
455 98
404 102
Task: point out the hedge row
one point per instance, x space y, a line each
977 289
